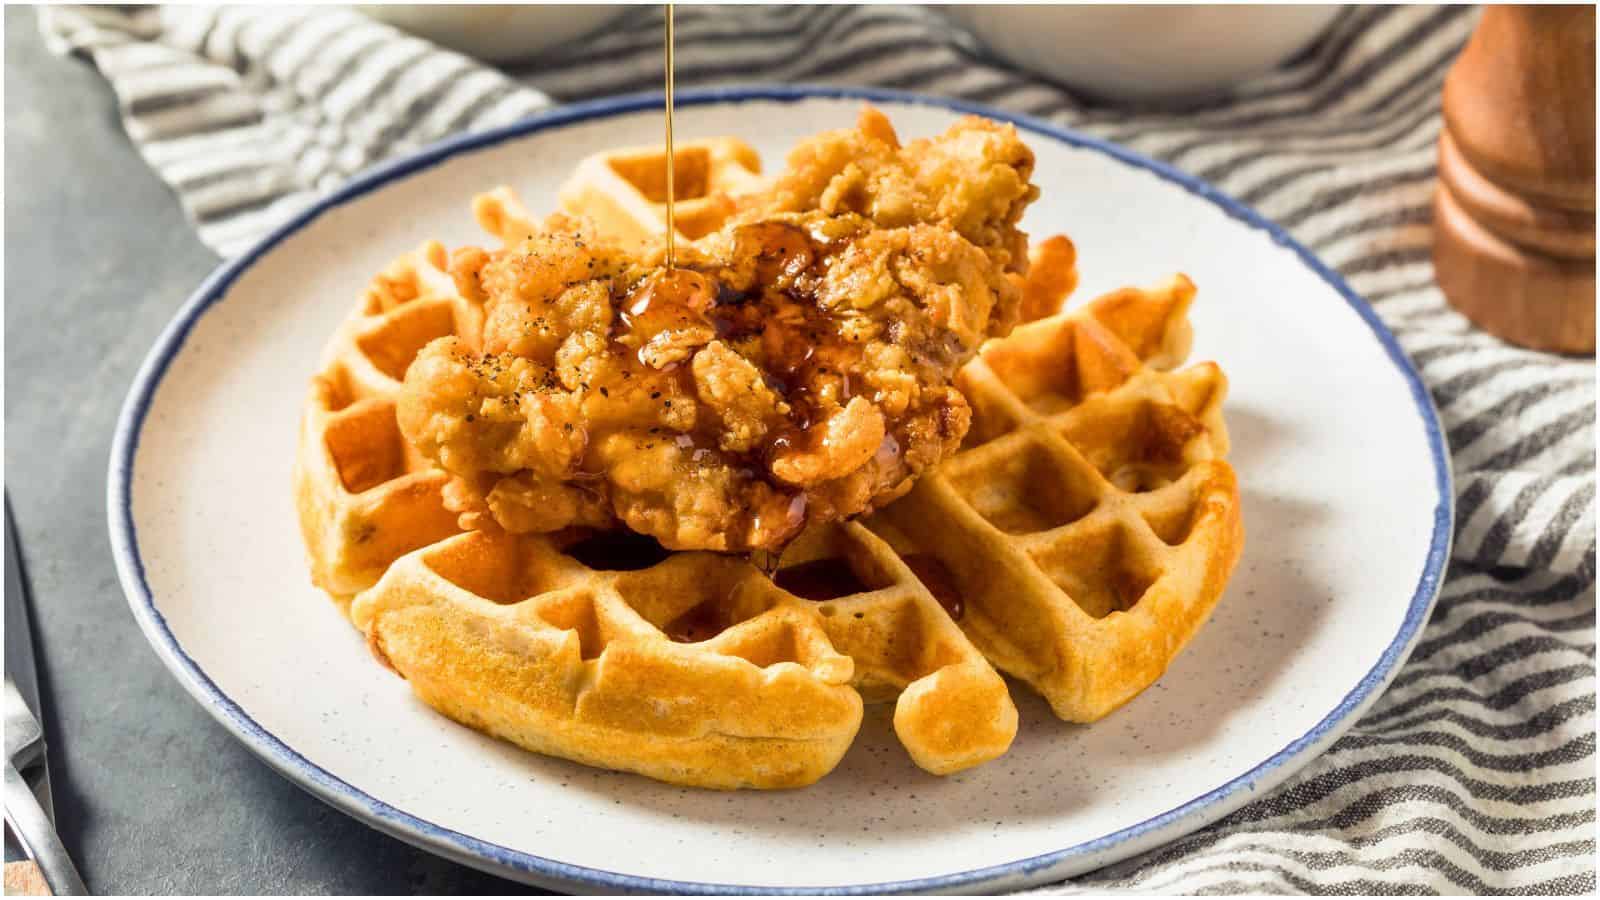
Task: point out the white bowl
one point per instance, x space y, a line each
1146 52
496 33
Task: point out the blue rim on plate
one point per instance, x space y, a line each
502 860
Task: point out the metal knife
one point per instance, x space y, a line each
30 811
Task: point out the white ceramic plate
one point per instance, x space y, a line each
1346 504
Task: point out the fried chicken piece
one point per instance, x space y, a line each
738 396
1052 276
688 498
795 368
488 413
973 179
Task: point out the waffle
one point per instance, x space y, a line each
1089 523
695 669
624 192
692 668
364 496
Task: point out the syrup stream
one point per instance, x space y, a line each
672 224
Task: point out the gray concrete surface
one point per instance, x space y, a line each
153 797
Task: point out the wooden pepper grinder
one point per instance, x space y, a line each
1514 216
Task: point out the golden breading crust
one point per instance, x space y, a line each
973 180
795 369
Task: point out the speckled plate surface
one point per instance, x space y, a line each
1339 454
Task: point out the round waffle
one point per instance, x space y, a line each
693 668
1090 523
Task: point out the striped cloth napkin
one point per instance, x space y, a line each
1475 771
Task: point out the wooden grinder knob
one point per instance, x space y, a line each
1514 215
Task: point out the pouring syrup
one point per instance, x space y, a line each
672 224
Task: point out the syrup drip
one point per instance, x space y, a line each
767 561
820 579
618 552
940 583
702 623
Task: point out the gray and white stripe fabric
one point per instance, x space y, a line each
251 113
1475 771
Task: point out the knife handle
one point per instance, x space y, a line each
38 836
23 879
